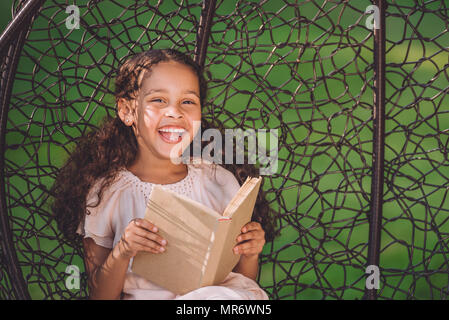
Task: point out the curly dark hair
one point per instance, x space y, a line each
97 154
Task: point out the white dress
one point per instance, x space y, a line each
126 199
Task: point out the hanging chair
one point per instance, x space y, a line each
306 68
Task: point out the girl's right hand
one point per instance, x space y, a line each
140 235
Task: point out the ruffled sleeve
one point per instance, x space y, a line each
98 225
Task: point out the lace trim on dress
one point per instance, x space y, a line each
184 186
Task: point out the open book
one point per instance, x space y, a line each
200 241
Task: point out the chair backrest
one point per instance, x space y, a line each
304 68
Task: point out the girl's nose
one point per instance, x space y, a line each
173 114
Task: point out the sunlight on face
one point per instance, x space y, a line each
167 105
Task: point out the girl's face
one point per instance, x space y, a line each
166 110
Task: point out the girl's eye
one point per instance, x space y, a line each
156 100
189 102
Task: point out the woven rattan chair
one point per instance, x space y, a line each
312 69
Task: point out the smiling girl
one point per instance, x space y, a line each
102 190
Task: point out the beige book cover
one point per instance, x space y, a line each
199 239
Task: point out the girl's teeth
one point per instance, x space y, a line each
172 136
172 130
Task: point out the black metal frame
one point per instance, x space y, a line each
11 43
11 46
379 145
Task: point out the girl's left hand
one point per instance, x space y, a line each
251 241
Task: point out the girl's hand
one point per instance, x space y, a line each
251 241
140 235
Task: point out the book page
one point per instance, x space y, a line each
241 216
232 204
247 186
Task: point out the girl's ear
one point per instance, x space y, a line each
125 111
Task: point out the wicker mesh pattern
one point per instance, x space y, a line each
414 253
305 68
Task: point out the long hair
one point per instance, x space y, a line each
102 152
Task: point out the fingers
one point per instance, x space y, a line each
140 235
251 230
248 248
144 247
251 240
143 223
139 240
149 245
150 236
251 226
256 234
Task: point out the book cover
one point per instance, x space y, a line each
199 239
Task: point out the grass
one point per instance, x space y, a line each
321 192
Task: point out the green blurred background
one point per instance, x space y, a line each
323 112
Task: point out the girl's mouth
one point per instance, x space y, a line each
171 135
